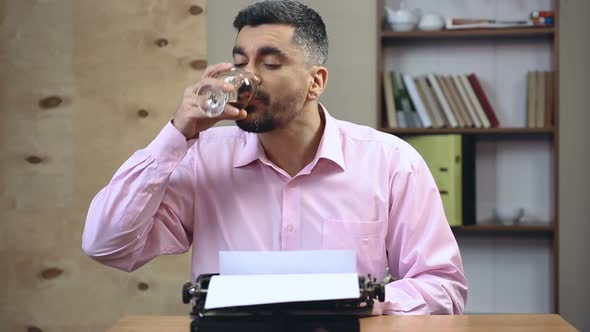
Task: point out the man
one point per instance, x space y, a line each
291 177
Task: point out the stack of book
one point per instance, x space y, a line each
540 100
436 101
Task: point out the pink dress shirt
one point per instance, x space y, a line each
365 190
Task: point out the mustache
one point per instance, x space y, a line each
260 99
262 96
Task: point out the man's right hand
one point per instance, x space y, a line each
189 119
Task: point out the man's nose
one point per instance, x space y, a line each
251 68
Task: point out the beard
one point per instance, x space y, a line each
264 115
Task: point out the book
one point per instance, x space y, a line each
467 103
458 102
438 118
453 105
531 99
401 97
422 96
483 100
550 99
452 121
390 116
475 102
402 122
418 105
412 119
406 104
540 102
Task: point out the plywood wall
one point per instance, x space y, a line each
83 84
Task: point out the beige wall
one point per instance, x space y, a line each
101 60
574 163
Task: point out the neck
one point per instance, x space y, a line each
295 145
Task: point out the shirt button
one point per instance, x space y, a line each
290 228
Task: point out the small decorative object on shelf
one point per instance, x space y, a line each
431 22
402 20
543 17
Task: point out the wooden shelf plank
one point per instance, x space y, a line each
477 131
496 228
471 33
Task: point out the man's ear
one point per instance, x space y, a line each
319 75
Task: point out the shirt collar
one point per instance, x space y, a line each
330 146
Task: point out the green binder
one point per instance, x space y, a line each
444 155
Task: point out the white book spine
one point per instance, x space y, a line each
411 86
468 105
475 101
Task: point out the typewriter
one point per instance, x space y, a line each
318 316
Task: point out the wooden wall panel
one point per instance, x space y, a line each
83 85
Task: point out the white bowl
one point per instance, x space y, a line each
431 22
508 216
403 26
402 20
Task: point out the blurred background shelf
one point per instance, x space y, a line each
476 131
498 228
528 32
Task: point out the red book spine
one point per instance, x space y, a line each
483 99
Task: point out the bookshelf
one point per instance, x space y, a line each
390 36
514 162
505 229
474 131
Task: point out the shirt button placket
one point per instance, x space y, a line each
290 223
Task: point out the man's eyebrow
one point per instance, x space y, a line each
263 51
238 50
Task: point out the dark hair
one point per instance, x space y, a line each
310 31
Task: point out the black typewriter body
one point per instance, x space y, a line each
310 316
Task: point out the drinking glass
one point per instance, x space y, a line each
212 99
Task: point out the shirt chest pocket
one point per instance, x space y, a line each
367 239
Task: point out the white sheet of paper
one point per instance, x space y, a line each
287 262
241 290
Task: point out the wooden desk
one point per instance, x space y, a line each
479 323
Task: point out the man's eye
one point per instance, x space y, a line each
272 66
240 65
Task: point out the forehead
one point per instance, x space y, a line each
252 38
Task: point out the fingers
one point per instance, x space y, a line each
208 83
377 308
216 69
196 96
232 113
